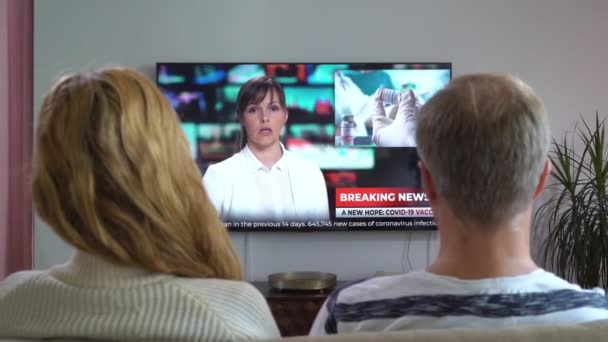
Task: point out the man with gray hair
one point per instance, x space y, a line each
483 143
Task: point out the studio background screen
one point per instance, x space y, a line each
338 118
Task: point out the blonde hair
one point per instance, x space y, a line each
113 176
484 139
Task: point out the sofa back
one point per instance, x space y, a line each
588 332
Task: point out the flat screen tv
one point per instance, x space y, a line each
360 137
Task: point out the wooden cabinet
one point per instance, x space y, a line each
294 311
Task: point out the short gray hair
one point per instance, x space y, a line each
484 139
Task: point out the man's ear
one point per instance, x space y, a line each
427 182
542 180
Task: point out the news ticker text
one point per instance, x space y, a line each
421 222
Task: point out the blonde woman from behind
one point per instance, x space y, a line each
113 177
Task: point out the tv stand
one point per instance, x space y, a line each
294 311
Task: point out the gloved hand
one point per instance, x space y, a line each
350 99
399 127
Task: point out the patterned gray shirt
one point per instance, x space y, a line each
423 300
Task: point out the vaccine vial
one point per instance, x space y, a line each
347 130
391 96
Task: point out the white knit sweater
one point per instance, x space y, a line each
90 298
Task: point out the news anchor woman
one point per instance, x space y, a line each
264 181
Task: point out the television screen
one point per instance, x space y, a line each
354 122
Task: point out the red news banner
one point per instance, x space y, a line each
381 202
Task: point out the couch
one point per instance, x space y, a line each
586 332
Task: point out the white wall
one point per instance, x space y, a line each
558 46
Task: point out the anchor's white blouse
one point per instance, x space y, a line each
243 189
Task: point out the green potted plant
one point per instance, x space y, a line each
574 220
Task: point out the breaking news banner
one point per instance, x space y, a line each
360 209
382 203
